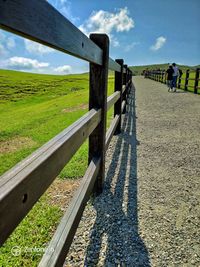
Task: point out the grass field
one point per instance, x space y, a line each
33 109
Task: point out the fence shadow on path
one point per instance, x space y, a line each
114 239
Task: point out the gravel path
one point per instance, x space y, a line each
149 211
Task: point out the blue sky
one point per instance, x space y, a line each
141 32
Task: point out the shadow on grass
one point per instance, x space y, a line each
115 239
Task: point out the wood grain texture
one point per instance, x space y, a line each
114 65
196 81
118 88
111 130
111 100
186 80
62 239
98 99
39 21
123 105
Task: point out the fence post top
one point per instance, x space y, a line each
100 36
120 61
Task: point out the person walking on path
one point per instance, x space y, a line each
174 76
169 72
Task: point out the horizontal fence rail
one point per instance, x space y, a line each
38 21
24 184
182 80
65 232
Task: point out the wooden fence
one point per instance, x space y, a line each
24 184
160 76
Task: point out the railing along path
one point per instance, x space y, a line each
24 184
160 76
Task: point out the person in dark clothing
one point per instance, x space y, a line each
169 73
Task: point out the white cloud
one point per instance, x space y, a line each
3 50
2 36
22 63
64 6
6 43
160 41
63 69
105 22
35 48
11 43
130 46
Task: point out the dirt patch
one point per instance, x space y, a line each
72 109
16 143
61 192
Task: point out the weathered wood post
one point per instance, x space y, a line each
165 77
186 79
196 82
179 81
118 87
162 76
98 99
125 91
129 81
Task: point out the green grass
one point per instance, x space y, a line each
33 233
39 115
33 109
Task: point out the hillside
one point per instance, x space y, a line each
138 69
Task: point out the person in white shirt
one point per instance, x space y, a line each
174 76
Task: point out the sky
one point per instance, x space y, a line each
141 32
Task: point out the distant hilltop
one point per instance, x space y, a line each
139 69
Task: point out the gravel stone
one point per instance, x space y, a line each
149 211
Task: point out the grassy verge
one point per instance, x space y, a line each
34 108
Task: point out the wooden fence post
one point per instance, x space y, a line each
179 81
118 87
186 79
125 91
162 75
165 77
98 99
196 81
129 81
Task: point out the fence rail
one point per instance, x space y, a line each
24 184
161 76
